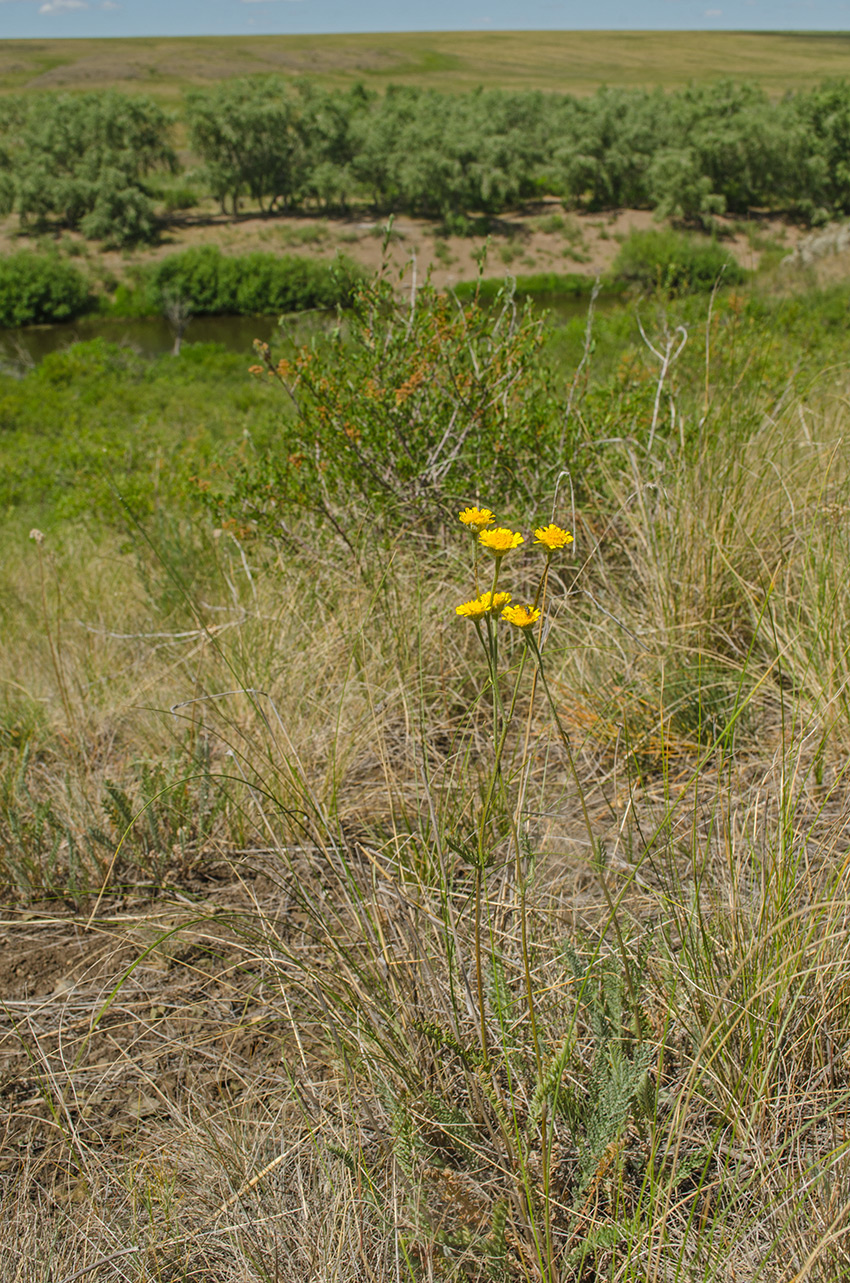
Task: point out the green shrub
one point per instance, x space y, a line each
675 261
37 288
122 214
678 189
211 283
246 132
549 284
405 408
180 198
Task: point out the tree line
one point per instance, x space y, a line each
98 162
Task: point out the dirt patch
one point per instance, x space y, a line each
110 1023
43 957
543 238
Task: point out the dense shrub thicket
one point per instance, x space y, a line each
41 288
208 282
690 154
674 261
36 288
83 160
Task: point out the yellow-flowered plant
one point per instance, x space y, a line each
477 518
521 616
500 541
484 610
487 604
553 538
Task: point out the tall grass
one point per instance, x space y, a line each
574 1008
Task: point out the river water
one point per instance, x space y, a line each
152 336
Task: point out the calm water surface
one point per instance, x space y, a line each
152 336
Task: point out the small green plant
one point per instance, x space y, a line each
305 234
675 261
179 198
442 253
166 821
551 224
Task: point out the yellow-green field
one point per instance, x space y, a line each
571 61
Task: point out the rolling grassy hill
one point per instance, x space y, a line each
571 61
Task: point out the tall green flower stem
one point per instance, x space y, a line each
533 644
500 730
519 874
496 782
493 649
501 726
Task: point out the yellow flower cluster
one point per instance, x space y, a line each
478 518
500 541
553 538
486 604
521 616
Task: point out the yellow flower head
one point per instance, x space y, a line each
521 616
486 604
499 541
553 538
478 518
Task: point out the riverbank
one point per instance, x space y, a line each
541 238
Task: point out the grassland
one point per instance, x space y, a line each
567 61
267 1014
339 940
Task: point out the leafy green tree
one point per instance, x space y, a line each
246 133
605 156
12 116
326 126
678 189
443 157
748 148
83 160
824 117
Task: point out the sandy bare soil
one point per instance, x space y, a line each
540 238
